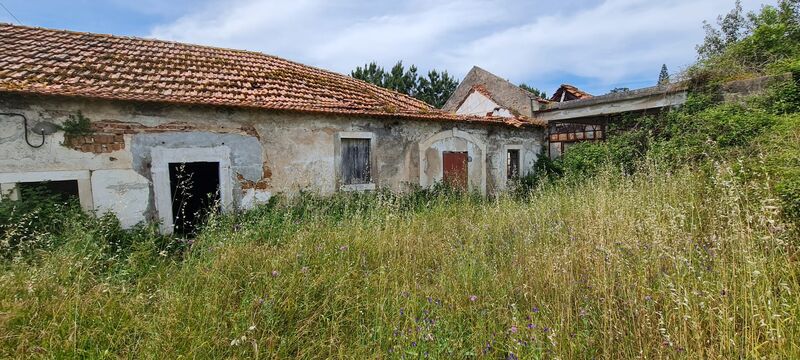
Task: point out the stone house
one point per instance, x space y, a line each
570 115
120 121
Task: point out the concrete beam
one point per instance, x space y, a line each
621 104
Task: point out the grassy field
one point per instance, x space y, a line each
680 264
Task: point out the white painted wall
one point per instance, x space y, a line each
124 193
480 105
281 153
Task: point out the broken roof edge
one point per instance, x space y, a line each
623 95
467 84
434 115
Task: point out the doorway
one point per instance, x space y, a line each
195 194
455 169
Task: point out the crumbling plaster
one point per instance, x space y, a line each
270 152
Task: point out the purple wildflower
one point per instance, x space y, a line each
513 329
473 298
535 309
275 273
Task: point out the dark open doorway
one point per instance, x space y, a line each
195 194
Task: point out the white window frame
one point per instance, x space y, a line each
337 160
9 181
162 157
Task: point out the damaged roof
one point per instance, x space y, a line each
58 62
568 92
501 91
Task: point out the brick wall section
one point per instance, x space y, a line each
108 135
95 143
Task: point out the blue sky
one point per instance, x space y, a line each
596 45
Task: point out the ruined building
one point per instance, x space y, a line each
122 122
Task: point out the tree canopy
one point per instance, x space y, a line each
434 89
533 90
663 76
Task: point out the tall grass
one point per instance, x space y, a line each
655 265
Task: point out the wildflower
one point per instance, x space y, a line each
546 329
343 248
531 326
648 298
413 344
402 312
511 356
513 329
473 298
275 273
535 309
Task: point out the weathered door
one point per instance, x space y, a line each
454 166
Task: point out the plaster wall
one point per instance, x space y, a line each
270 152
480 105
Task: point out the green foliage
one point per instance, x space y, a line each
539 93
29 225
618 90
742 47
434 89
77 125
603 267
663 76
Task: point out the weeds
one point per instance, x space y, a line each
657 264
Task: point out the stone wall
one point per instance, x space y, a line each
266 152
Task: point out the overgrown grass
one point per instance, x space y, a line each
658 264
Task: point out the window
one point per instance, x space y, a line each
63 190
512 163
355 163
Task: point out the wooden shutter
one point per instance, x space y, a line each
356 161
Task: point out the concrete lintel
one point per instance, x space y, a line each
38 176
588 109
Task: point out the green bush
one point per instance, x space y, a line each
34 222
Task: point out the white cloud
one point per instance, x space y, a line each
603 43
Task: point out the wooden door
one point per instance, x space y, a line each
454 168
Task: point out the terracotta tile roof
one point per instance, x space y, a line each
58 62
572 93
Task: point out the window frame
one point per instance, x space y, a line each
9 181
521 159
373 173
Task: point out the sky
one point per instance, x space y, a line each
596 45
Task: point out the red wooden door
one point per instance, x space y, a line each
454 167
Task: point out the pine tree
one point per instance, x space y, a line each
663 77
371 73
434 89
533 90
